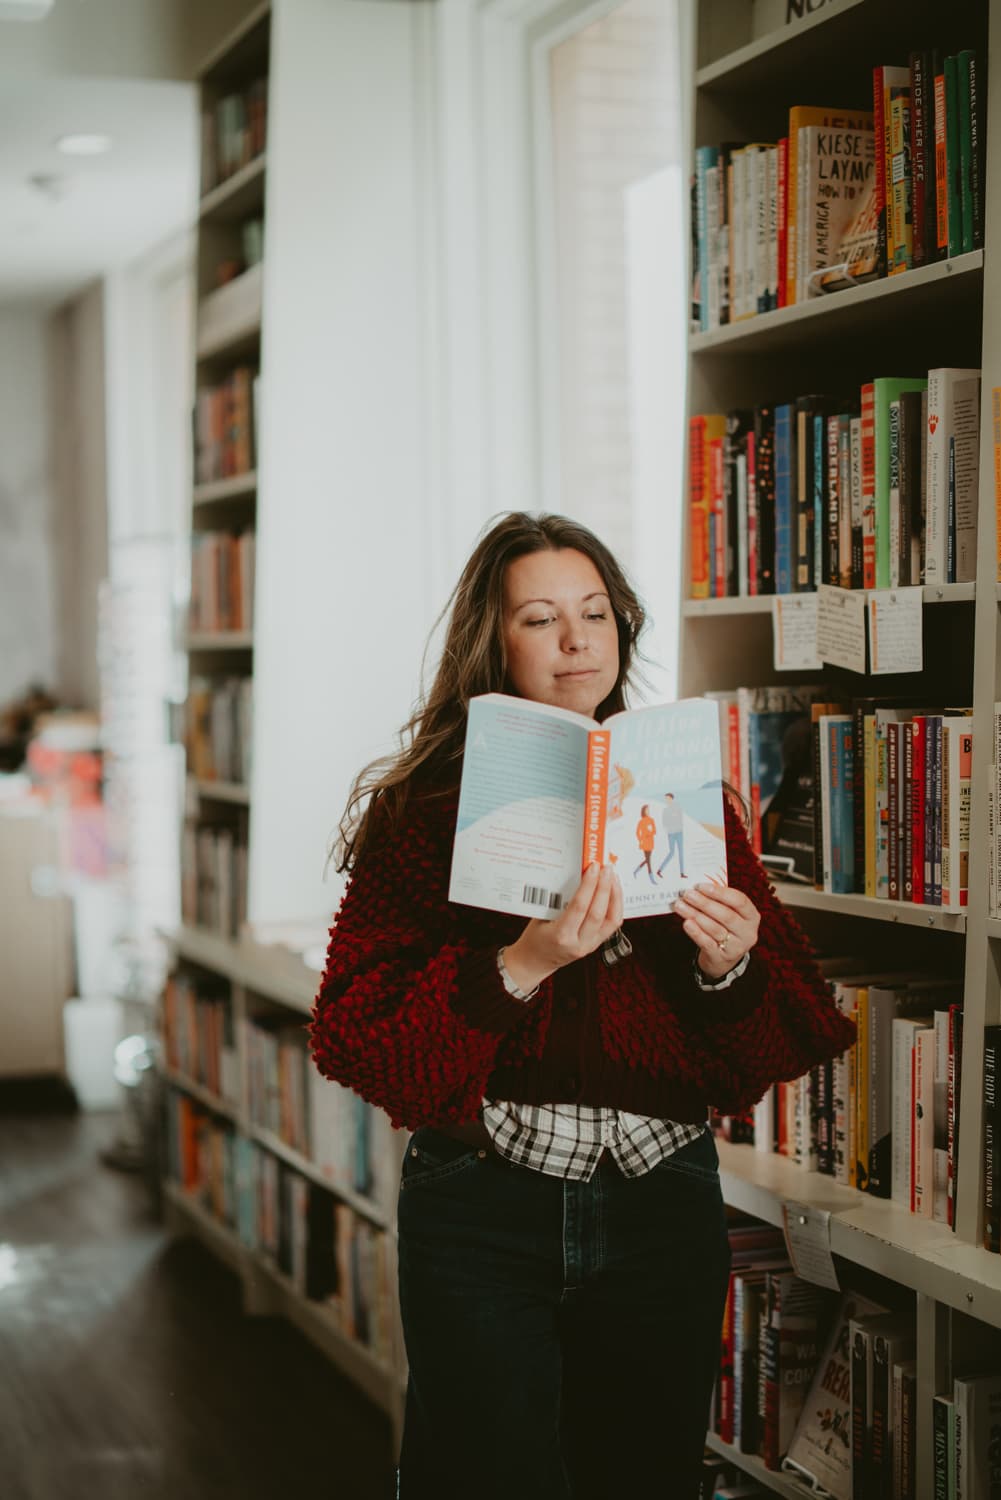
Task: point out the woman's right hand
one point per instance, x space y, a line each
589 919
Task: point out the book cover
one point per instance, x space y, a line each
785 473
801 116
918 153
957 767
820 1449
953 414
795 1310
900 180
545 792
836 166
992 1138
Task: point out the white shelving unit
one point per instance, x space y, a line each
947 313
261 979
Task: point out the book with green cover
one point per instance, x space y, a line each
886 389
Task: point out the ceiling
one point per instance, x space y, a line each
114 67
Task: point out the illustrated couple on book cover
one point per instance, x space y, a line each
545 792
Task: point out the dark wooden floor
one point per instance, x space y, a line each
128 1371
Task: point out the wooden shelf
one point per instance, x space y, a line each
760 62
906 912
871 1232
877 305
222 791
234 488
754 1468
221 640
944 593
361 1205
214 1102
266 969
232 49
238 196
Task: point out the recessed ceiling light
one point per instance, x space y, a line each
84 145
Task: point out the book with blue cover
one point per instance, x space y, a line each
545 792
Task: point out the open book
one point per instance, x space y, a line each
546 791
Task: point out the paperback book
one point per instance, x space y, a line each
545 792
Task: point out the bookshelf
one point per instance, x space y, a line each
250 1195
752 63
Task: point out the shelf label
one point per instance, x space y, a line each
895 619
841 627
808 1241
794 633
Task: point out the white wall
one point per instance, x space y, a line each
28 650
342 601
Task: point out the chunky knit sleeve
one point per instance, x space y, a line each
778 1020
409 1013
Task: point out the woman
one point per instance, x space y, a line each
562 1245
646 834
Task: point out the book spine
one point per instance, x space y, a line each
894 495
784 470
917 783
941 164
919 126
879 177
901 180
963 132
818 806
952 1109
992 1121
907 811
764 460
698 509
819 505
976 157
940 1448
892 814
952 160
782 214
858 798
885 147
859 1406
831 573
868 455
936 819
845 501
869 797
598 750
855 557
923 1123
717 516
752 515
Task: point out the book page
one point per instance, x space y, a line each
664 819
520 828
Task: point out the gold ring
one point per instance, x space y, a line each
723 942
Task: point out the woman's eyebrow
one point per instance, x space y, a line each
598 594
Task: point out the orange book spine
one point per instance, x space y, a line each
596 803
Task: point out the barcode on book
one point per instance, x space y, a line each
534 895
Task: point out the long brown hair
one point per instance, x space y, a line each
473 661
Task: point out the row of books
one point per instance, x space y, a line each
883 1116
234 132
251 253
719 1480
225 426
214 877
198 1037
217 728
912 787
222 580
350 1143
813 1383
878 490
844 196
330 1254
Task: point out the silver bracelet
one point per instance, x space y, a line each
514 990
724 983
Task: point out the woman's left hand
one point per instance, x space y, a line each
722 923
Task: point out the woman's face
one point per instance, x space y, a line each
559 631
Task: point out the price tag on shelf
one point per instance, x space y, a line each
895 620
841 627
794 633
808 1241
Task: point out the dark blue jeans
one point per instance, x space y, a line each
563 1337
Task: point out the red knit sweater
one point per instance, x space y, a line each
412 1013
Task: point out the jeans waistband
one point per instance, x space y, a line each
474 1133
